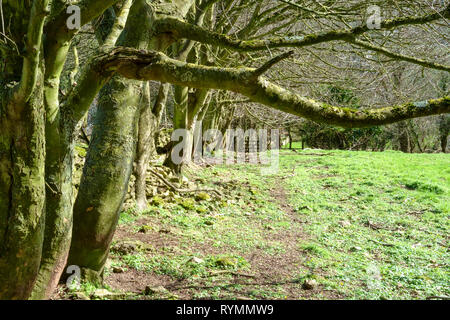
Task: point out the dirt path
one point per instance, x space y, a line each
272 275
284 267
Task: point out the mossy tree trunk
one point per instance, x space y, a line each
22 193
22 152
112 150
403 137
180 117
109 161
59 204
60 128
105 176
186 113
444 130
149 121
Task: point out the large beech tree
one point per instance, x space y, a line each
38 125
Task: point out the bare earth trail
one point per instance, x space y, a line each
271 275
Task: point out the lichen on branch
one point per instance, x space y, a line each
153 65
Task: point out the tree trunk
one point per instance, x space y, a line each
444 130
403 137
145 148
110 157
22 192
108 167
290 138
444 140
59 206
180 122
415 136
148 126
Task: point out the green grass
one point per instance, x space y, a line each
379 221
182 266
376 226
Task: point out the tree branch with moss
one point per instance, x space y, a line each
152 65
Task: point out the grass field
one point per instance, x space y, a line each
329 224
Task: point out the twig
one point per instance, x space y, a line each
269 64
85 136
75 70
312 154
51 189
173 188
383 244
2 18
373 226
3 32
234 273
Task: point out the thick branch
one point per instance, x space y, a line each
269 64
80 98
38 14
189 31
57 29
161 100
399 56
119 24
58 38
152 65
57 44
